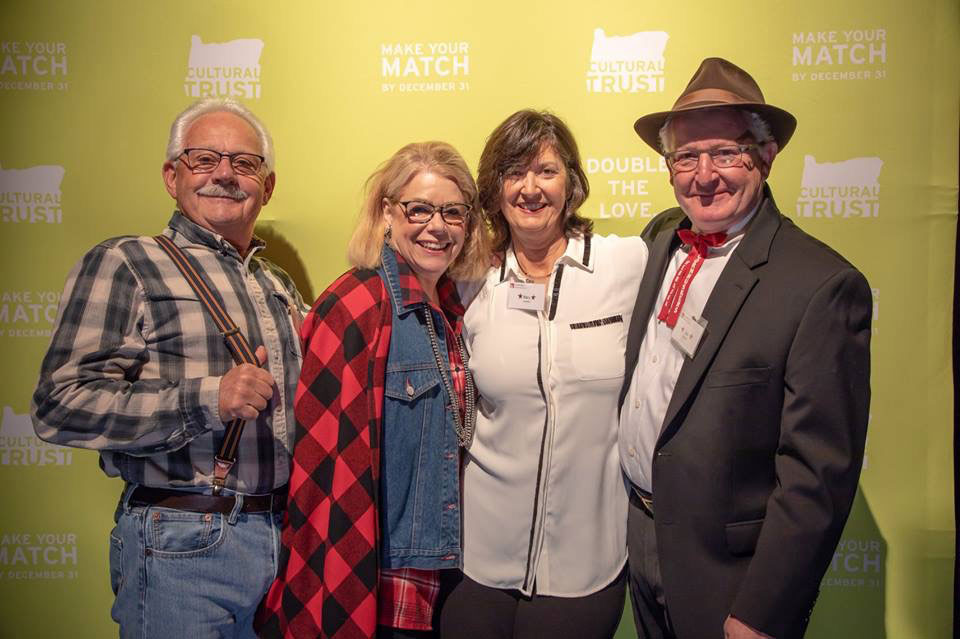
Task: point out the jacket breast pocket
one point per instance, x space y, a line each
597 347
410 385
737 377
742 537
410 404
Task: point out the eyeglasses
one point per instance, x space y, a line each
207 160
417 212
722 157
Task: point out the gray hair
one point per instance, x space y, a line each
180 126
758 127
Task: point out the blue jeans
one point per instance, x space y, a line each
179 574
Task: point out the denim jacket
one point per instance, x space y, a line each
420 514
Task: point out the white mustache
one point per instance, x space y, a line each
231 191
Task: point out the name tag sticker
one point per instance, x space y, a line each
526 296
687 333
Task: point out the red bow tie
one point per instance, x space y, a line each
700 242
677 292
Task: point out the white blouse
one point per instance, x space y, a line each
544 500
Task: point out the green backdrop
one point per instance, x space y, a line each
88 89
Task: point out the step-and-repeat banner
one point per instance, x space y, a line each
88 91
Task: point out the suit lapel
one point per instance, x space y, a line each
733 287
664 241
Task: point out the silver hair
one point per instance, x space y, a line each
180 126
758 127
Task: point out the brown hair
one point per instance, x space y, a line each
388 181
515 143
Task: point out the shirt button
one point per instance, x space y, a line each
637 404
655 359
632 451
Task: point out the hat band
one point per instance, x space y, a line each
710 96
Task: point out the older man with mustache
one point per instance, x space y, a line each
139 370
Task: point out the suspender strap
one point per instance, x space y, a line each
238 345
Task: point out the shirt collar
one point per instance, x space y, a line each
579 253
412 294
739 228
196 234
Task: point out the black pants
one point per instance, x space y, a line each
475 611
646 586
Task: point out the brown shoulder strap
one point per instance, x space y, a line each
238 345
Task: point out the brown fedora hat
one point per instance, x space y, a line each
719 83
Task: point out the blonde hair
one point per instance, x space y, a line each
388 181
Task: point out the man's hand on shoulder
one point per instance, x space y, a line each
245 390
733 628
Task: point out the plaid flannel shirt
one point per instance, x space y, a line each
327 585
135 362
408 597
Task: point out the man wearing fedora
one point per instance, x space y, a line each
744 405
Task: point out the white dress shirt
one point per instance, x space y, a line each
660 361
544 501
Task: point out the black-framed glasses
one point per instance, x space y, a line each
207 160
419 212
722 157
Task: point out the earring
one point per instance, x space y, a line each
388 233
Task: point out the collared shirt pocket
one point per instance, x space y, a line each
597 347
167 311
287 310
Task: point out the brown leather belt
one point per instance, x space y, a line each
197 503
641 499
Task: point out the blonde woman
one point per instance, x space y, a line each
384 404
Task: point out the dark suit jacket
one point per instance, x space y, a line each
760 451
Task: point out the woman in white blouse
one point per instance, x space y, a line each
545 504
